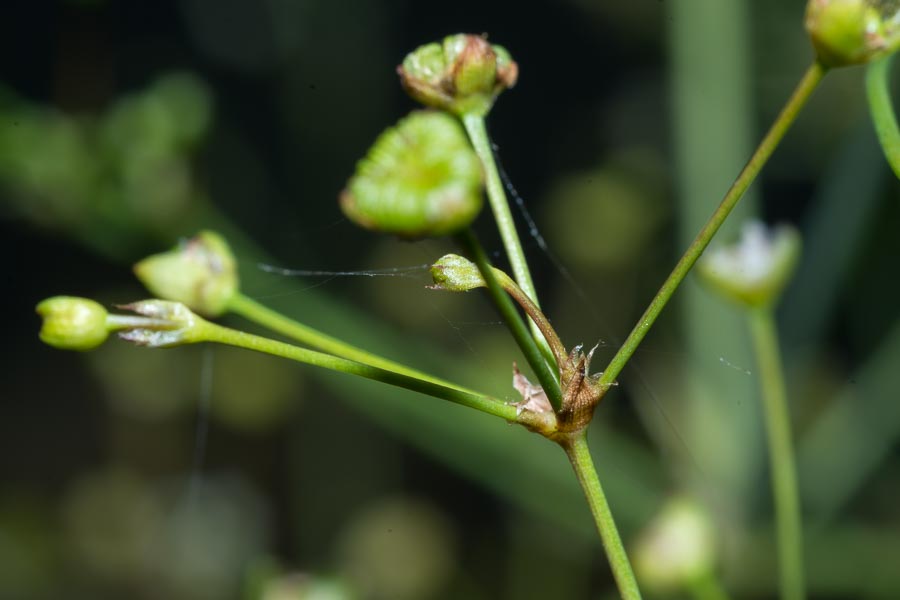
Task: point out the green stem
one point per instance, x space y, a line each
119 322
577 450
499 204
535 314
788 115
513 320
477 131
266 317
882 110
781 453
211 332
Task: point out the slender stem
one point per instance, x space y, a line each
577 450
882 110
781 453
211 332
499 204
262 315
117 322
535 313
477 131
513 320
788 115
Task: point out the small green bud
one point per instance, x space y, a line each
200 272
755 270
849 32
421 178
73 323
162 324
463 75
676 549
80 324
455 273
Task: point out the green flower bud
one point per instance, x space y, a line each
420 178
73 323
463 75
755 270
455 273
80 324
676 549
849 32
200 272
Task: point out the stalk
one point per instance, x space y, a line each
211 332
808 84
255 312
546 376
577 450
475 127
882 110
781 454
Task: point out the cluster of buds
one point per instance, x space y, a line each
199 275
421 178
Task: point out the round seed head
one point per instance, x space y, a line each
421 178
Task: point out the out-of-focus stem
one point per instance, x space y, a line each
781 453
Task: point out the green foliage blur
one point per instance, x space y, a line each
212 473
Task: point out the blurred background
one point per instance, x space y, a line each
215 473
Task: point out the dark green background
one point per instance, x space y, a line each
629 121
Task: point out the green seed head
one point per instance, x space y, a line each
755 270
848 32
454 273
72 323
200 272
421 178
464 74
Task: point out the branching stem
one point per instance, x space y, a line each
510 315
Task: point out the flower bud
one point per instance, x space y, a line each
421 178
200 272
848 32
755 270
676 549
72 323
80 324
455 273
463 75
